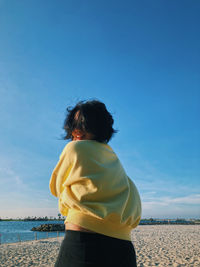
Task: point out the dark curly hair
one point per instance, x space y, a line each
93 117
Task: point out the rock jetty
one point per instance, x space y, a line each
49 228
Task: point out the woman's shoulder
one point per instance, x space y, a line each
80 145
83 146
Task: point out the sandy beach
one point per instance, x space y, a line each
156 245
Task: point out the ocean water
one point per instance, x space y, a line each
16 231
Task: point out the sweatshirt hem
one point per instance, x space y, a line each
100 226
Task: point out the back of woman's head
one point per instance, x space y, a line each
92 117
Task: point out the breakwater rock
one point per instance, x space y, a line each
49 228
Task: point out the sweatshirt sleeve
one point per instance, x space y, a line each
135 204
60 173
69 181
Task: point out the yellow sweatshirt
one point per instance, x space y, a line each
94 191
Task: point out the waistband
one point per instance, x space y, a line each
79 236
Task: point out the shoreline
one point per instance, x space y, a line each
50 239
142 225
25 241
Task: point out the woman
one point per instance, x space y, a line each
100 202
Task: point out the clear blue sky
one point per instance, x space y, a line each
141 58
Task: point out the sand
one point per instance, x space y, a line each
167 245
156 245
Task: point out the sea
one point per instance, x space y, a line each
17 231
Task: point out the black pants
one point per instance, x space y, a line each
82 249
